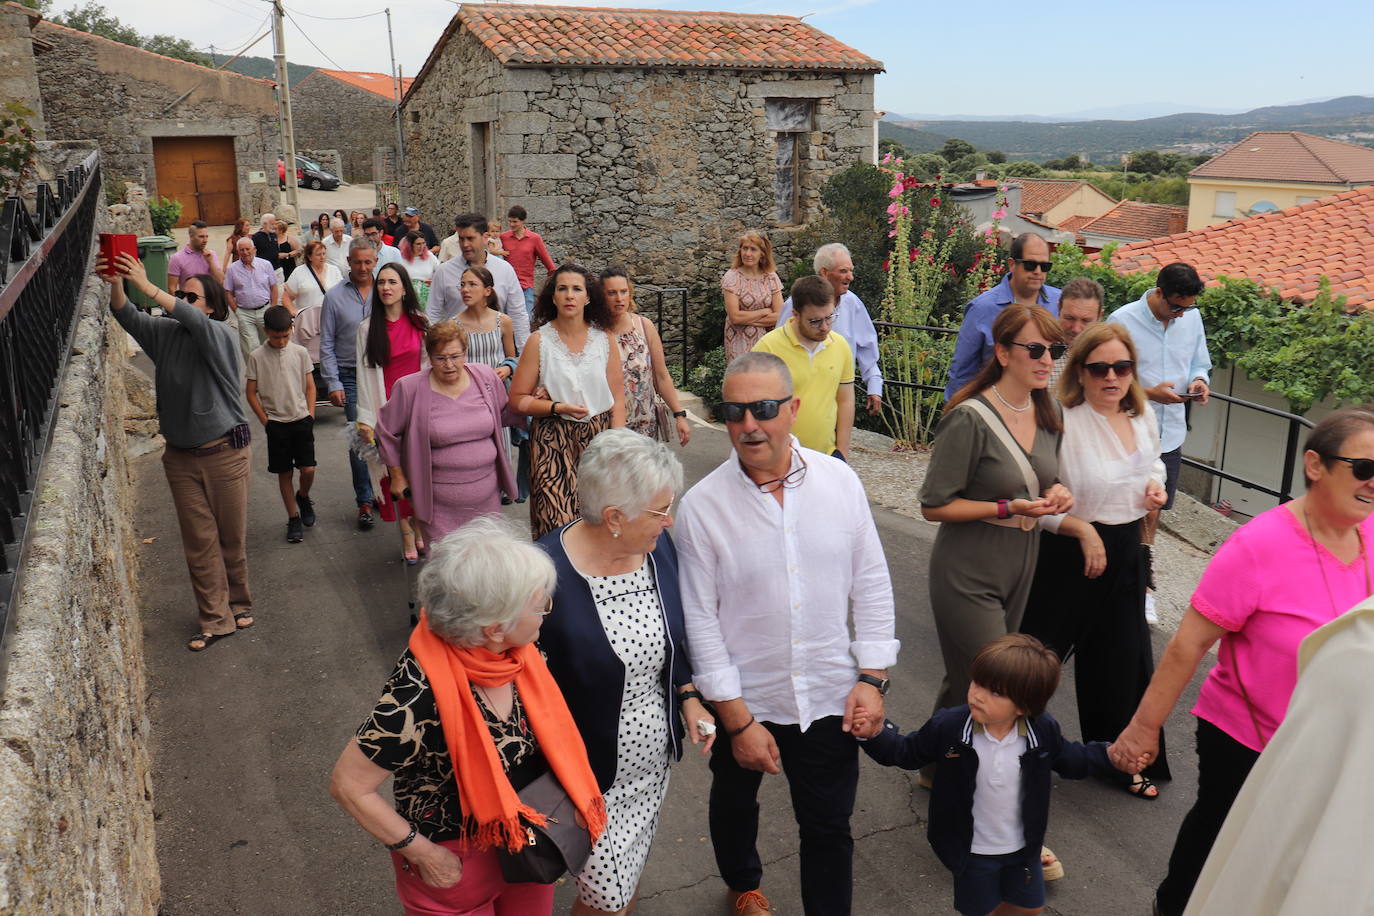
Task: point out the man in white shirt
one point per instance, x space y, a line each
775 544
336 245
386 254
834 264
444 298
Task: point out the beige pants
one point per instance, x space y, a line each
211 498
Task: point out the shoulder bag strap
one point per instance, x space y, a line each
318 281
999 429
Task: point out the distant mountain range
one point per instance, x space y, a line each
264 68
1348 118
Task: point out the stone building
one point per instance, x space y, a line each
207 138
648 137
352 112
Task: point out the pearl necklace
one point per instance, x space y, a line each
1011 406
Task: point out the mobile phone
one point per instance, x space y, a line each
112 245
1191 396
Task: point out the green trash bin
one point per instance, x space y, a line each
155 251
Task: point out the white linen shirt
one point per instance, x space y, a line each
766 589
852 322
1176 353
1107 483
337 254
445 301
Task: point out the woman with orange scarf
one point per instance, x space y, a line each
470 716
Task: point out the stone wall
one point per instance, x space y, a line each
124 97
330 114
18 75
658 169
76 809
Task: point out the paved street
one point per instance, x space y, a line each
244 736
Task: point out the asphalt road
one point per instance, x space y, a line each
245 734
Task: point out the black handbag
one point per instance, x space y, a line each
561 845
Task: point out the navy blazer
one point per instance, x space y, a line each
590 674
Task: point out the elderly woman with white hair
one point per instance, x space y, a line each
617 646
470 717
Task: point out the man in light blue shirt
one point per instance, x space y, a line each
444 299
386 254
1024 283
345 305
834 264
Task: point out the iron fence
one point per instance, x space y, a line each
44 256
679 339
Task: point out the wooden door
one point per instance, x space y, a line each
201 172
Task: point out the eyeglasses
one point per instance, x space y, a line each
733 411
448 359
826 321
548 609
1037 350
1122 368
661 513
1179 309
1028 264
1362 468
192 298
789 481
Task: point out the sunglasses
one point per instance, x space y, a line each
1362 468
733 411
184 296
1037 350
1122 368
1028 264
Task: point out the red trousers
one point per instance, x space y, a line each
480 892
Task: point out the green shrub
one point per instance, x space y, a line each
706 377
164 215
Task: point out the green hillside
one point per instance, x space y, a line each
265 68
913 141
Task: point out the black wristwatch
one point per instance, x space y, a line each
679 413
882 683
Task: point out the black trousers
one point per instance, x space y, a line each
1222 765
821 766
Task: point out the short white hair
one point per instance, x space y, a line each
480 575
824 258
337 223
267 217
759 361
627 470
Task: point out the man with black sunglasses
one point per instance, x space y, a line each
1173 367
1024 283
776 544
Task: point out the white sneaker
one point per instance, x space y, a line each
1151 616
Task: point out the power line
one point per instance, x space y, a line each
242 9
332 18
245 45
307 37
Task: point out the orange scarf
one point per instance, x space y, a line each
491 808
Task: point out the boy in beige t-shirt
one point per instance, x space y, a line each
281 391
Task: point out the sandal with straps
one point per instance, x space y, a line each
206 640
1142 788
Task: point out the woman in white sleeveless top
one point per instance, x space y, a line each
569 383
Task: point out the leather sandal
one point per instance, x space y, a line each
206 640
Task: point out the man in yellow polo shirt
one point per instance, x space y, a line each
822 367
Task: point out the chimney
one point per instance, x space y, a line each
1178 222
980 175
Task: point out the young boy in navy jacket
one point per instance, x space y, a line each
990 803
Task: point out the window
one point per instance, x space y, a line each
1307 200
788 120
1225 204
483 168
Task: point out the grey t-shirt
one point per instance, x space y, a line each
197 372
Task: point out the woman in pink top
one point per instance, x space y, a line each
390 346
1279 577
753 295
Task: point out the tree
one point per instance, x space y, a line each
1020 169
955 148
1147 161
41 5
97 20
180 48
996 157
888 145
925 166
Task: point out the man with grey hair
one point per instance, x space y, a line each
776 545
265 239
834 264
336 245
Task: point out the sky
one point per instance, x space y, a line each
1003 59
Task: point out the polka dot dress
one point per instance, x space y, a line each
633 620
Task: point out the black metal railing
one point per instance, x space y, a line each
928 328
43 265
654 300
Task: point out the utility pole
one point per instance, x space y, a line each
400 130
288 136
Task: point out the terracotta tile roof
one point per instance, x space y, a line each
1287 155
1289 249
1131 219
601 37
1039 195
1074 223
377 83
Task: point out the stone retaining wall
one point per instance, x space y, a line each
76 798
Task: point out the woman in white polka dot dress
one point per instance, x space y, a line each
617 647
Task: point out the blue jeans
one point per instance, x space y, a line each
362 480
529 301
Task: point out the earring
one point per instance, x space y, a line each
615 534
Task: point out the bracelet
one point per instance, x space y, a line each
410 838
693 694
553 408
1004 508
680 414
741 730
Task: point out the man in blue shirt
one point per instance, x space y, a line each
1024 283
345 305
834 264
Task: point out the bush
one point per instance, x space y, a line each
706 377
164 215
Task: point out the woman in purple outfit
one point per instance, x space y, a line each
441 435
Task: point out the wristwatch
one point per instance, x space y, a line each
679 413
882 683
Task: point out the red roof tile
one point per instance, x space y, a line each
1131 219
1288 155
601 37
377 83
1074 223
1289 250
1040 195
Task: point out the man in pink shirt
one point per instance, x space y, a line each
522 247
195 259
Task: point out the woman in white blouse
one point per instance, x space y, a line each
569 382
1088 599
304 293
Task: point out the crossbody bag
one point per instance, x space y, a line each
1018 457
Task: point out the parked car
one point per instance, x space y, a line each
309 175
